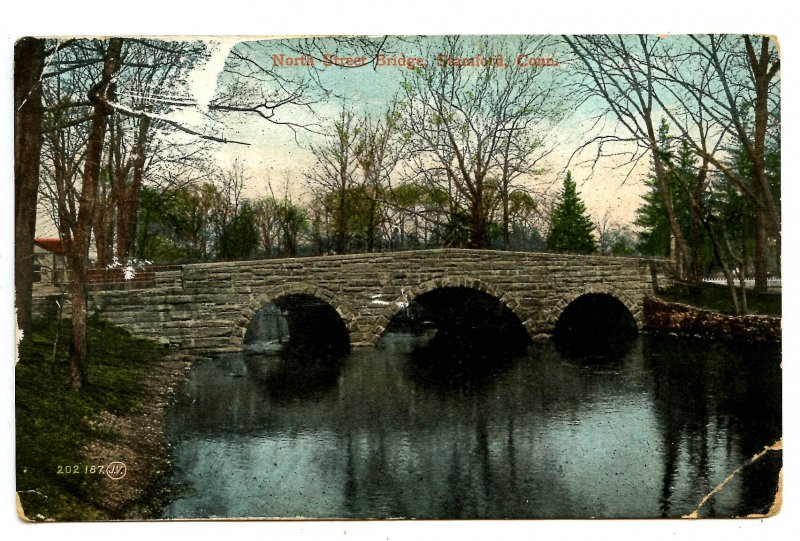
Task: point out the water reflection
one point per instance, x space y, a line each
712 399
456 358
294 374
388 433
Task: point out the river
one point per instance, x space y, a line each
380 433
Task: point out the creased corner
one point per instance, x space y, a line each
774 38
21 511
776 504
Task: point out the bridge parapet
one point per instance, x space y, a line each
206 307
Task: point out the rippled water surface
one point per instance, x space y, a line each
383 434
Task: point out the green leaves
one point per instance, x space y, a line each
239 238
571 229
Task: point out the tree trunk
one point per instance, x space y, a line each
77 246
695 274
725 268
341 223
128 196
743 290
681 248
506 196
768 218
78 350
290 239
477 237
29 55
743 265
506 225
371 230
760 256
103 225
127 205
762 74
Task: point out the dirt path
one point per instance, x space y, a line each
140 446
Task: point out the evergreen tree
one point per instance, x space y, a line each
652 217
571 229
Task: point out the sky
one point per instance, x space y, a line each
276 158
279 155
275 155
611 187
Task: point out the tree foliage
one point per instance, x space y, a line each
719 92
239 238
651 216
571 229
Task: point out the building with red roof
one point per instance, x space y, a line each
49 264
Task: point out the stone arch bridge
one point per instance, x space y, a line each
206 307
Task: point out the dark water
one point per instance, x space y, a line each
382 434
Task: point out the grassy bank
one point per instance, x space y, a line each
718 298
56 424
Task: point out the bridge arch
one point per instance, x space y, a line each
408 295
296 288
605 289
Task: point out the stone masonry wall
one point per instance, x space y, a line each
206 307
679 318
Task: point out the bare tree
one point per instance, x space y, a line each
609 233
72 159
151 84
473 127
705 86
143 140
335 170
258 84
619 71
728 87
107 129
378 151
229 183
266 211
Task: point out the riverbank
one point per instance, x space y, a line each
66 440
717 298
667 316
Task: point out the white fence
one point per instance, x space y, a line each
749 282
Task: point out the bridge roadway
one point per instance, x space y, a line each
206 307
